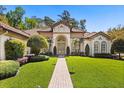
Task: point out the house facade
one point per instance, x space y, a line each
64 40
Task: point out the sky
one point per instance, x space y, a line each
99 18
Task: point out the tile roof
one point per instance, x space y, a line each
12 29
88 34
94 34
35 31
77 30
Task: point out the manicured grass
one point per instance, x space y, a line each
31 75
96 72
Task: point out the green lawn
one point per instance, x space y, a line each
31 75
96 72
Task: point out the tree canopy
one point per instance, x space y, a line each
118 46
2 9
16 19
116 32
72 22
48 21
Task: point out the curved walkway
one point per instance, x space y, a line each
61 77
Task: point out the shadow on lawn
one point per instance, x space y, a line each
71 73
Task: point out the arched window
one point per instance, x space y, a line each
87 50
96 47
103 47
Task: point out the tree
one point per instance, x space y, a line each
33 22
87 50
73 23
30 23
116 32
36 43
66 17
15 17
39 21
118 46
2 15
22 26
48 21
3 19
82 24
2 9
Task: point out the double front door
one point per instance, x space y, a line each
61 48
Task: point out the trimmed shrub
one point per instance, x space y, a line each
8 68
38 58
14 49
36 43
46 53
102 55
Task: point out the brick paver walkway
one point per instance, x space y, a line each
61 77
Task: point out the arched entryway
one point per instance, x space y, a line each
61 45
87 50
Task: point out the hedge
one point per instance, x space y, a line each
14 49
38 58
8 68
102 55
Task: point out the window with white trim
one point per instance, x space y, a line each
96 47
103 47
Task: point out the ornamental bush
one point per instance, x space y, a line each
36 43
14 49
38 58
8 68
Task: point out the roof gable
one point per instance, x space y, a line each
61 28
101 33
60 22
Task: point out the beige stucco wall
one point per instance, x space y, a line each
3 38
76 35
61 30
91 41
